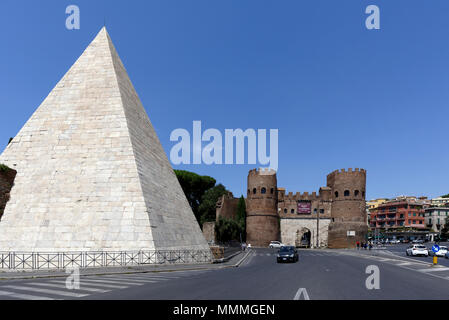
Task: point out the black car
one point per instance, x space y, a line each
287 254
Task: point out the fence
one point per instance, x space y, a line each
63 260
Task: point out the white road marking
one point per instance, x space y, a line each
47 291
54 285
433 269
110 281
129 279
84 284
23 296
302 291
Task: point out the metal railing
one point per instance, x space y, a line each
63 260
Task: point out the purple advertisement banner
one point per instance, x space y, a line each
304 207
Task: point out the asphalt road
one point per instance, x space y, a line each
399 249
319 274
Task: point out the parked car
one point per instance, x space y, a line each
441 253
275 244
447 255
287 254
417 241
395 241
417 250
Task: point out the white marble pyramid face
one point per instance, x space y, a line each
91 172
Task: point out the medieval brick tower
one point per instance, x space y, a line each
262 220
348 208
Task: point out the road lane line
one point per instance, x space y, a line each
433 269
84 284
110 282
54 285
129 279
301 291
23 296
47 291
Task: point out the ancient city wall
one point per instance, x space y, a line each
227 206
293 229
262 219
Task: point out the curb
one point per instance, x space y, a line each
191 268
241 260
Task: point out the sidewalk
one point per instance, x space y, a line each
230 262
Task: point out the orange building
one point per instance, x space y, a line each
402 212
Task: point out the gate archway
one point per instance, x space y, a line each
303 238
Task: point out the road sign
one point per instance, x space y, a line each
435 248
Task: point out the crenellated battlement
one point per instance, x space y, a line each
301 196
350 171
262 172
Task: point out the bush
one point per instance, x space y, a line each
4 168
227 230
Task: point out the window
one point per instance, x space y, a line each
292 211
285 210
254 191
336 194
249 191
356 193
321 210
272 190
346 193
263 190
363 194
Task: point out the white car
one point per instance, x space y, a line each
417 250
441 253
275 244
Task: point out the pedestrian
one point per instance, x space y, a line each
370 245
358 245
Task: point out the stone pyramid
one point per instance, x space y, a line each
91 172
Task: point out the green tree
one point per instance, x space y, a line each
207 207
194 187
241 217
445 196
227 230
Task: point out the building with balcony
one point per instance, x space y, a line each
402 212
439 202
435 217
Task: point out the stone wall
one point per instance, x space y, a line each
209 231
262 219
339 237
292 228
348 207
227 206
7 177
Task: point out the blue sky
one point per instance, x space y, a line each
341 96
